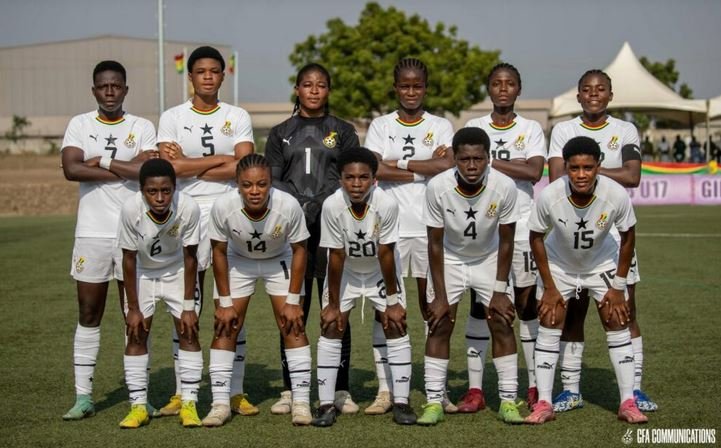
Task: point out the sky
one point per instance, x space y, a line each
552 42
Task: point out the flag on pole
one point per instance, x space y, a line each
179 63
231 65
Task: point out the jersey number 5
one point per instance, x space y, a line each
207 142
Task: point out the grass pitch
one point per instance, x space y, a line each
677 302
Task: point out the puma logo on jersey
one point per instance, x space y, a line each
392 138
94 137
562 221
188 128
452 212
287 140
235 231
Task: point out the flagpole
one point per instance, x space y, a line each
235 78
161 61
184 77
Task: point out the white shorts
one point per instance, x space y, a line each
479 276
204 249
169 288
96 260
570 285
244 272
633 275
414 256
369 286
523 267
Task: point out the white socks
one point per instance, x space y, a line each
436 371
637 344
236 383
299 364
477 337
507 369
380 356
571 361
528 330
399 361
176 365
220 369
546 357
85 354
328 363
621 354
190 365
136 377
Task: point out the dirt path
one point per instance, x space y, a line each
35 185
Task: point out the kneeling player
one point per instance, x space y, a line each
359 226
258 232
159 233
574 214
470 216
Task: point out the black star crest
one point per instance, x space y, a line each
581 224
408 140
255 234
500 143
361 235
470 213
111 140
206 129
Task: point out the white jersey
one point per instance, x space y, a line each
470 222
395 139
159 244
522 139
266 237
360 235
100 202
611 136
578 241
199 133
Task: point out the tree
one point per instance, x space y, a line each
361 59
668 75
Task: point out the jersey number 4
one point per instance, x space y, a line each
470 231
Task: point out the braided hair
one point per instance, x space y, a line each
595 71
308 68
503 66
252 160
410 63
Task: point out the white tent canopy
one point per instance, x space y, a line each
714 109
635 89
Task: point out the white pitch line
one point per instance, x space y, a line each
681 235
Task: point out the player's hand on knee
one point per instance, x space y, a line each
134 322
292 319
614 306
438 309
330 315
395 318
500 307
549 303
189 325
226 319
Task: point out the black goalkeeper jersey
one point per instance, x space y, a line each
302 153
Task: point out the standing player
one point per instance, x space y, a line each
411 144
204 138
621 161
359 226
519 152
574 215
302 152
471 214
103 151
258 232
159 233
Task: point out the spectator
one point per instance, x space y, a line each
679 149
696 155
647 150
664 150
